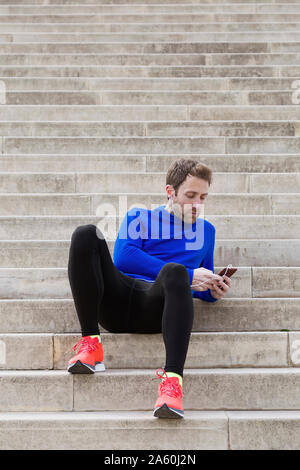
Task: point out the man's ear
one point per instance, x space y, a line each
171 192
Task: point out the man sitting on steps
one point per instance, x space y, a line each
150 285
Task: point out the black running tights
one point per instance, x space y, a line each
122 304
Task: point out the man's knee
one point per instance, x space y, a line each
175 274
83 233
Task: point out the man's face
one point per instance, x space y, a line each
190 198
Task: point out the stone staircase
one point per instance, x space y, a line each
97 100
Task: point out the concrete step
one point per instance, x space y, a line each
150 144
260 36
209 59
159 84
154 163
83 204
137 2
150 47
101 162
158 9
228 227
138 113
51 282
117 430
28 282
123 128
203 430
56 316
184 8
150 71
211 97
114 389
17 24
141 182
143 97
209 350
262 112
263 429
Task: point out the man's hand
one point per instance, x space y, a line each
218 293
202 279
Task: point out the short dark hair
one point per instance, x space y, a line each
179 169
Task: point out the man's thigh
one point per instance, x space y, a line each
113 312
146 307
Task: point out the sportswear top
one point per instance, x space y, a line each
149 239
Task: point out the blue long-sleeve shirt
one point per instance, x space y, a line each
149 239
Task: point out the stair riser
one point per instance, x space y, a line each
177 84
273 36
177 145
269 389
141 182
152 163
152 113
229 227
172 129
153 59
273 253
237 430
74 205
21 24
232 315
110 431
147 98
211 350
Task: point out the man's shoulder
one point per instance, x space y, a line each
209 226
137 211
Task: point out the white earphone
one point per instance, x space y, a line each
229 266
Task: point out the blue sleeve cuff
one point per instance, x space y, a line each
209 296
191 274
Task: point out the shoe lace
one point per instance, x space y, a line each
84 344
169 386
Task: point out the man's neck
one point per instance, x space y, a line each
170 210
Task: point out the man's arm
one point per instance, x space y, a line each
208 263
129 255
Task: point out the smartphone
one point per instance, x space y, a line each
230 272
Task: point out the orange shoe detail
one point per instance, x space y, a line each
169 401
89 358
